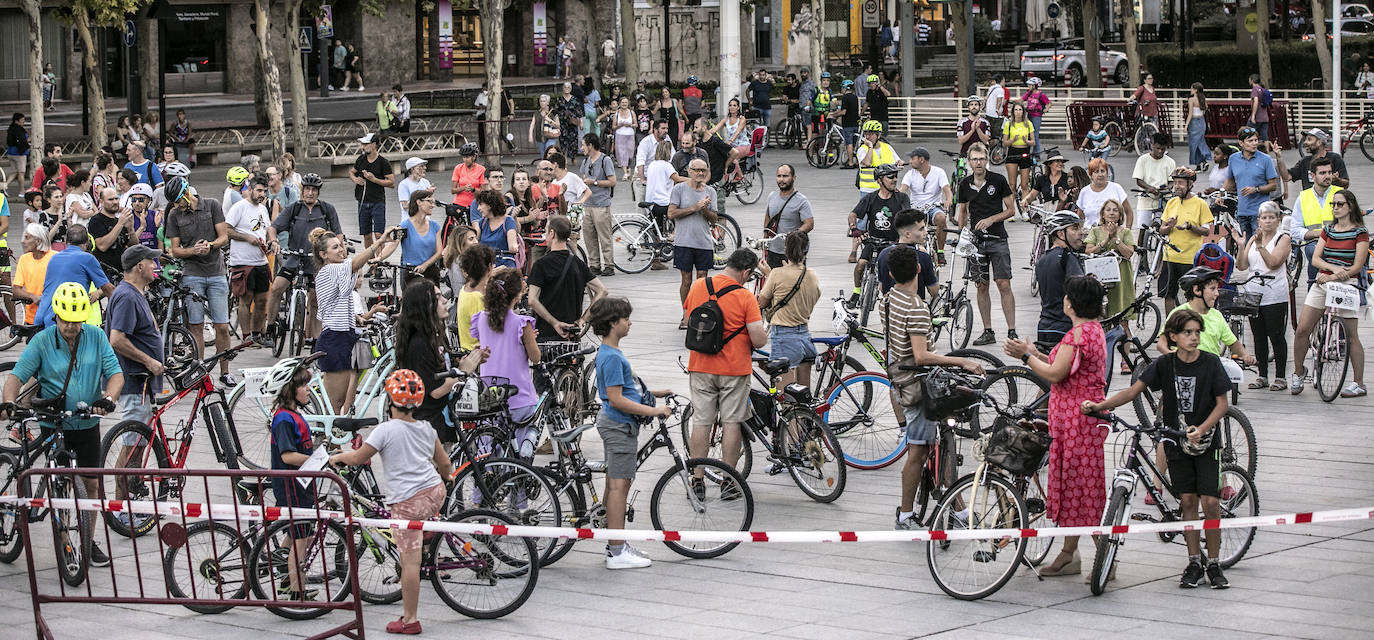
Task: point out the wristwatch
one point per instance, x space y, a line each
1025 357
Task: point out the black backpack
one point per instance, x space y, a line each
706 322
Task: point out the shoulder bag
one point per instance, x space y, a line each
776 307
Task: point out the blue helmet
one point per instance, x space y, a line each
825 74
691 81
847 84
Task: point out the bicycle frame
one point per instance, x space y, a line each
176 457
371 389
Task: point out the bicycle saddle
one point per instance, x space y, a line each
646 205
571 434
249 490
26 331
773 366
829 341
163 398
352 425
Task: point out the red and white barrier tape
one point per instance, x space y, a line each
253 512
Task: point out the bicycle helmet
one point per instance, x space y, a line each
1197 276
846 84
468 149
176 169
691 81
873 125
885 171
872 77
405 388
1034 81
825 74
1099 120
175 189
1061 220
71 302
1184 173
973 100
279 376
236 176
312 180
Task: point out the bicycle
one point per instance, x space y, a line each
745 181
674 503
869 285
134 445
1330 346
292 321
790 133
793 437
1039 244
1126 128
824 151
167 299
960 172
638 241
1363 128
1138 468
1150 252
952 310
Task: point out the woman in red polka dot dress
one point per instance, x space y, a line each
1076 370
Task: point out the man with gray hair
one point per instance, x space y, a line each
693 207
72 264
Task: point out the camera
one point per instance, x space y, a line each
399 234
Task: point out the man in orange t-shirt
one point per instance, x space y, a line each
720 382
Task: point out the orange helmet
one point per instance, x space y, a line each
405 388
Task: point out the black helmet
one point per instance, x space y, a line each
468 149
885 171
175 189
1060 220
1197 276
312 180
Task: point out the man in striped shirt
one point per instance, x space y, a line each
907 322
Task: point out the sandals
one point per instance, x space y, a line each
1259 383
1279 384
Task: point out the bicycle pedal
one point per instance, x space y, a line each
775 469
1144 517
629 514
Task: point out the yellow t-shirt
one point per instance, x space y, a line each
1018 134
469 303
1193 210
28 275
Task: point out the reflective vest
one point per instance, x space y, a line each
1316 213
883 154
822 102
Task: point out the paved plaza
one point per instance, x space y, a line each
1312 581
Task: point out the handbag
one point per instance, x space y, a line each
905 381
1019 447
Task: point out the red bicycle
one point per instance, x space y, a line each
1363 129
134 445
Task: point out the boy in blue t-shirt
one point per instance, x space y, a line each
291 447
622 409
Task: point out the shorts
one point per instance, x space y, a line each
255 280
622 447
1168 279
1198 475
996 257
85 443
216 292
421 506
287 492
338 349
793 343
714 395
919 429
1316 298
134 406
774 260
851 135
1019 156
371 217
689 258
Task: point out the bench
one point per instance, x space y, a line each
434 146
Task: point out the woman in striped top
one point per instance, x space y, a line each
337 309
1340 256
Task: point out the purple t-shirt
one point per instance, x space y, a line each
508 359
1262 113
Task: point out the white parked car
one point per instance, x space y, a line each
1350 28
1053 64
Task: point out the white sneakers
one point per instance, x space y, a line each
628 558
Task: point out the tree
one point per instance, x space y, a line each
1262 42
300 118
31 9
1132 36
627 41
85 14
271 77
818 40
961 53
1323 49
1091 48
494 26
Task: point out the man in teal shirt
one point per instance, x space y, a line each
69 361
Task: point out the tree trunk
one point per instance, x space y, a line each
1323 50
1092 58
1132 36
36 113
95 95
627 42
961 52
1262 42
271 79
818 41
494 23
300 117
593 46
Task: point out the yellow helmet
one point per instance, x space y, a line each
71 302
873 125
236 176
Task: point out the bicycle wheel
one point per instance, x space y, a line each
725 238
209 563
750 187
984 358
72 530
1144 137
379 565
1146 404
833 149
1147 322
279 325
1015 388
632 245
961 325
997 154
1037 515
814 150
974 569
812 455
299 321
1367 144
573 509
179 347
870 435
517 491
1294 267
1238 441
129 445
726 505
745 464
11 536
1114 138
1333 361
868 297
1239 499
324 568
482 576
1118 513
252 419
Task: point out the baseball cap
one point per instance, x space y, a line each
136 254
1318 133
411 163
368 139
141 189
919 152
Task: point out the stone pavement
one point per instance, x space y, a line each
1312 581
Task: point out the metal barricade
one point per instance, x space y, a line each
206 540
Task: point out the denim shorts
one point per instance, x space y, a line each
371 217
919 430
337 347
793 343
134 406
851 135
216 292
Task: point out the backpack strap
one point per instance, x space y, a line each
711 291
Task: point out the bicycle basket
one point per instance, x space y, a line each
947 394
1238 303
1017 447
482 396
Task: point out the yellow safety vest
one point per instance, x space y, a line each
1316 213
882 154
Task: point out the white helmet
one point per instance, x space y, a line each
177 169
1034 81
279 376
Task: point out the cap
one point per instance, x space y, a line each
136 254
411 163
919 152
1317 133
368 139
141 189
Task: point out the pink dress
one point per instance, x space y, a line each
1077 489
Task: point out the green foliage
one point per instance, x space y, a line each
1226 66
103 13
983 35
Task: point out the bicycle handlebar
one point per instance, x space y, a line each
1172 435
